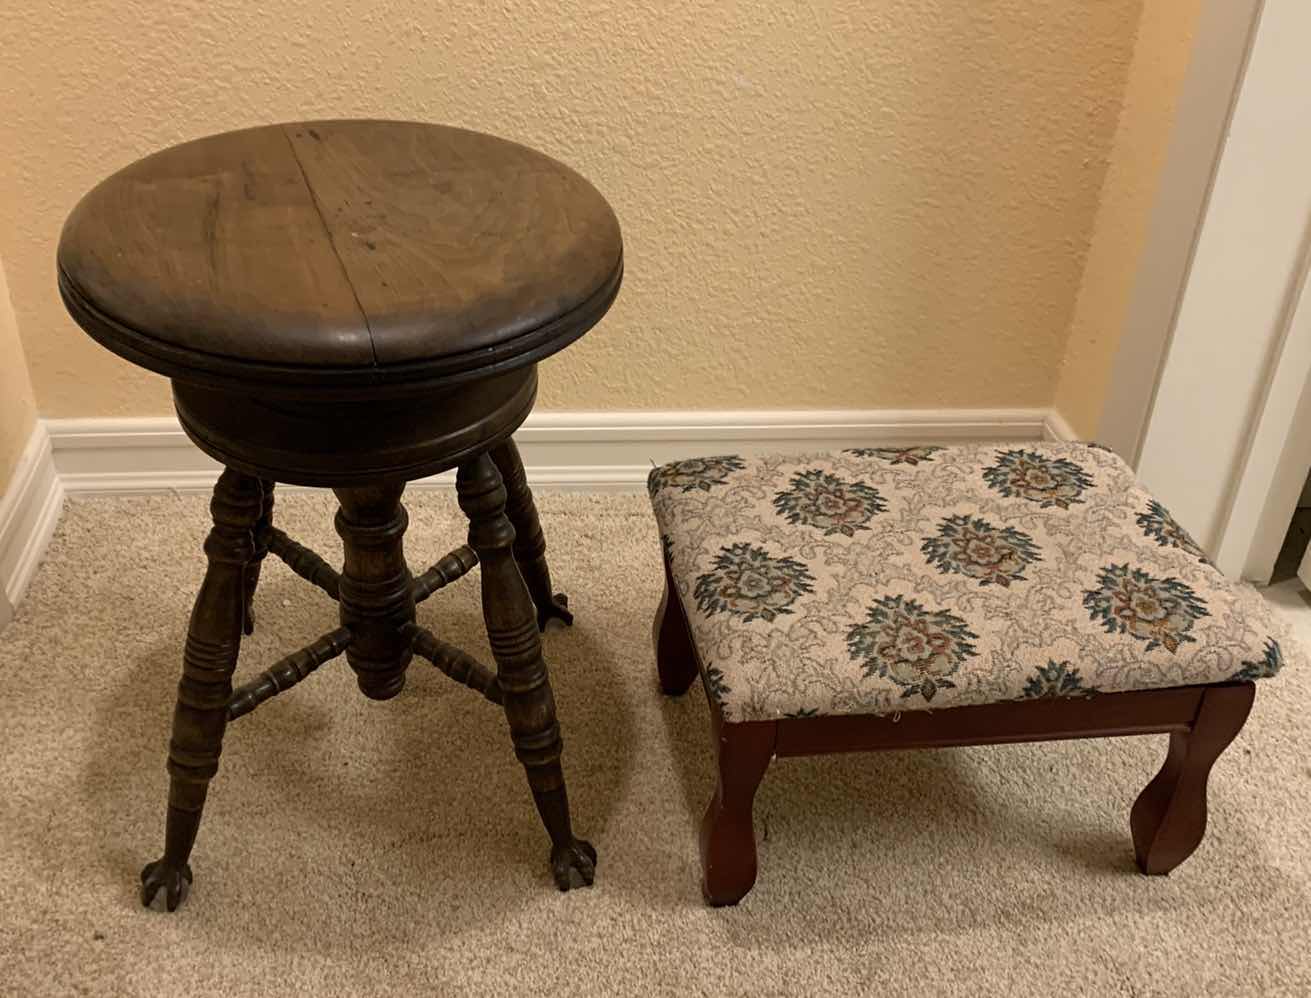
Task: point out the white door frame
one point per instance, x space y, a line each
1221 44
1211 394
1270 479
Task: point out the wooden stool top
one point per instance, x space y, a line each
352 257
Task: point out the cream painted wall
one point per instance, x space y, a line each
1161 54
17 406
846 204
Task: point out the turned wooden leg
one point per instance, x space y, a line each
728 838
675 657
199 719
529 542
521 673
263 532
1169 818
375 591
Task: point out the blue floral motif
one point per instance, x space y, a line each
818 499
1048 481
1056 679
1266 666
698 473
897 455
749 583
974 547
1158 524
1158 611
715 685
915 648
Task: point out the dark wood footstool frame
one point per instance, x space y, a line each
1168 820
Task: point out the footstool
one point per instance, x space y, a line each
892 598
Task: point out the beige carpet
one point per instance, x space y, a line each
359 848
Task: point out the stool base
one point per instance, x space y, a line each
378 635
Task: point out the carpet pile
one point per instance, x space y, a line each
360 848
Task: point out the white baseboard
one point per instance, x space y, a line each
29 512
1058 428
591 451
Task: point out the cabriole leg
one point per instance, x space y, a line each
521 672
728 836
213 642
1169 818
675 657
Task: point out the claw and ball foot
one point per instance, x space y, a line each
555 607
164 874
575 857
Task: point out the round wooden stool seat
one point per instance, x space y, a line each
347 258
297 281
352 304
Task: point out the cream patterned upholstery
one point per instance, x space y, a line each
881 580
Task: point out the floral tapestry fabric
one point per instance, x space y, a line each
1056 679
916 649
1040 478
835 506
976 548
701 473
877 580
1158 524
897 455
747 583
1158 611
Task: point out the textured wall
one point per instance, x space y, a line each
859 203
1161 53
17 408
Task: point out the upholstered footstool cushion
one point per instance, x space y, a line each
880 580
